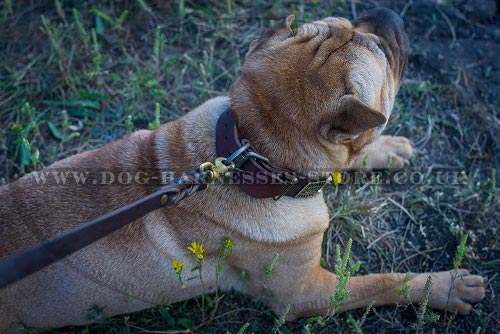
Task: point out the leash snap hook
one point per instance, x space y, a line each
217 169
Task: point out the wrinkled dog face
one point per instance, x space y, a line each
335 79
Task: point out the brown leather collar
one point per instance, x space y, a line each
257 176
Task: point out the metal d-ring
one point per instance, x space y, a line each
256 156
239 156
236 154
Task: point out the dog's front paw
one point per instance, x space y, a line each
387 152
455 291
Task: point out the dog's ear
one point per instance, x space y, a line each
285 29
287 24
351 118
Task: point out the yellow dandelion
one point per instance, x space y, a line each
197 249
15 127
228 243
177 266
337 178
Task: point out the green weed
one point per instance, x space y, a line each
158 45
129 124
281 320
460 253
7 10
423 315
29 120
97 57
269 271
343 271
81 30
243 328
156 123
404 290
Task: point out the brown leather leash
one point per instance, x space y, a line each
243 166
33 259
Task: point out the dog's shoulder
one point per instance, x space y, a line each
183 143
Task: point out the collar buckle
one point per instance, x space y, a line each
293 182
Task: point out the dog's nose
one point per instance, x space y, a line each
388 26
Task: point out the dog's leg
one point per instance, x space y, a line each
453 291
300 281
387 152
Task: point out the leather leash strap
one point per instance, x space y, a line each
28 261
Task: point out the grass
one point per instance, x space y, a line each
344 274
77 75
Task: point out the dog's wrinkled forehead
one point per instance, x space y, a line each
333 27
341 31
379 31
330 25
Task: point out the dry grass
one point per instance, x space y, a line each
83 86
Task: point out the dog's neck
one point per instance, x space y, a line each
288 143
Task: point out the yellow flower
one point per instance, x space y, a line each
197 249
337 178
228 243
177 266
15 127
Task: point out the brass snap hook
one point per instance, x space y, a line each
217 169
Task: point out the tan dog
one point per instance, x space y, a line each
309 100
